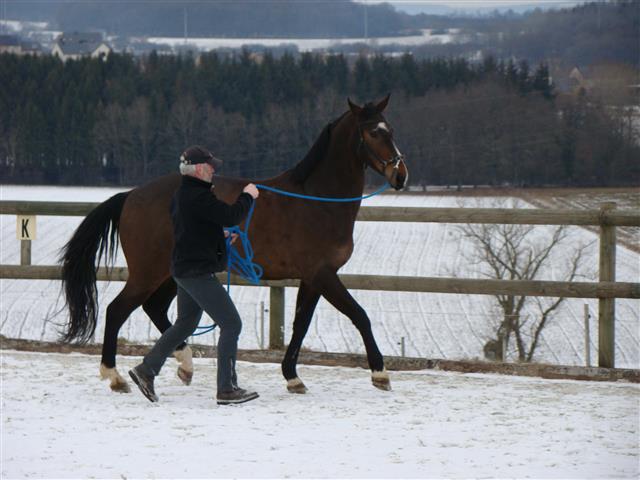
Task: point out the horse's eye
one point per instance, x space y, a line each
374 133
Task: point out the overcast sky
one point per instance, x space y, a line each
414 6
476 3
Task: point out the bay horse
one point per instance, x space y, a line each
292 238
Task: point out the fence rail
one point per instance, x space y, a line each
610 217
468 286
606 290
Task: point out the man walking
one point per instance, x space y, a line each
199 252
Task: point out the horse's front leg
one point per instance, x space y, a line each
305 306
329 285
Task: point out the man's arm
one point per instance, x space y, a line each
214 210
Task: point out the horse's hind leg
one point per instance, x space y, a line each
329 285
157 306
305 306
117 313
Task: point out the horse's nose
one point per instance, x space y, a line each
400 181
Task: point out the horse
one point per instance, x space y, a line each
292 238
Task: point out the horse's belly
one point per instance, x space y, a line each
301 259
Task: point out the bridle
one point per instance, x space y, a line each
394 160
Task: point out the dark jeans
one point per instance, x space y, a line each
196 294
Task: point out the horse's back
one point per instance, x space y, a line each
289 236
146 232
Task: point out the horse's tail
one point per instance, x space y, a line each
96 238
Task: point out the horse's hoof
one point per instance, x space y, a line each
381 380
120 387
185 364
185 357
295 385
185 376
117 383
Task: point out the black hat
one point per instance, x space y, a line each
197 154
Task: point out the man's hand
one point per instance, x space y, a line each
234 236
251 190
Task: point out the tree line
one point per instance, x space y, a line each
125 120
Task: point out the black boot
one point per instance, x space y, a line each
144 382
237 395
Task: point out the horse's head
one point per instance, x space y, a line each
375 144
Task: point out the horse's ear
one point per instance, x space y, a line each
383 104
355 109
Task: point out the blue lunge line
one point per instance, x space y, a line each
244 266
323 199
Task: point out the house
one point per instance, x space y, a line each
578 82
76 45
10 44
18 46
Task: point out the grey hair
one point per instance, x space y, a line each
187 168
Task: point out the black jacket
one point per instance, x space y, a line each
198 221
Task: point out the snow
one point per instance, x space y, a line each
308 44
60 421
18 26
433 325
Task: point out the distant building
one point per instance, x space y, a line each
578 82
76 45
10 44
18 46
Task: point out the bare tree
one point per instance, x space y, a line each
112 134
511 252
184 123
143 134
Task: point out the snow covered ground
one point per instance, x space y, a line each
433 325
60 421
309 44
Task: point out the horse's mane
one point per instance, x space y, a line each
316 153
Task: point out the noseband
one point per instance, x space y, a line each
395 160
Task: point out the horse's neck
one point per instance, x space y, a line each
340 173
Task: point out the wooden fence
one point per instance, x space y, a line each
606 289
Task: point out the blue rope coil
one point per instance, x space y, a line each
245 266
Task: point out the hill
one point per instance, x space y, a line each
249 18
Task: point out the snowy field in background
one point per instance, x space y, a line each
310 44
434 325
60 421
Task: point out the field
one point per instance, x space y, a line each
432 325
60 421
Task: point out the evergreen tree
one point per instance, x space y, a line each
362 78
337 73
541 82
125 120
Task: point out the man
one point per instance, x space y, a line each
200 251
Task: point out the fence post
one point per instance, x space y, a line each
587 336
276 318
25 252
261 325
606 306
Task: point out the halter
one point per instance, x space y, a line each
394 160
